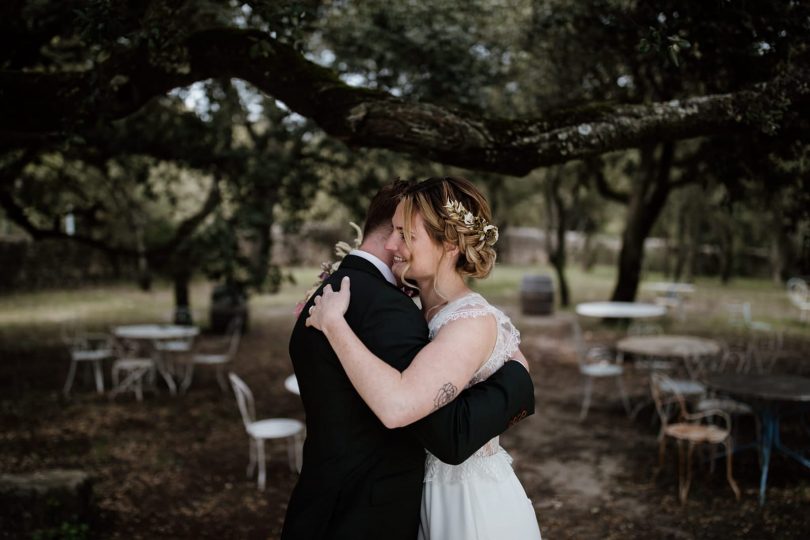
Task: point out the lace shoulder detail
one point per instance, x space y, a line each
474 305
469 306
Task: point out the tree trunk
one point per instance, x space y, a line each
266 194
727 253
681 253
182 303
557 253
646 203
782 251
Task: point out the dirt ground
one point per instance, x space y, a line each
174 467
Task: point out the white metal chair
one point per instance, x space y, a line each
260 430
596 363
690 431
674 301
172 354
133 367
220 356
87 349
799 295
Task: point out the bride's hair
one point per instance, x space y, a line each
445 224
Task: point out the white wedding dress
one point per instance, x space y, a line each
480 499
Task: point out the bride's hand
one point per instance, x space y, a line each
330 305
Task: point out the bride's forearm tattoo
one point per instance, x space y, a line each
445 396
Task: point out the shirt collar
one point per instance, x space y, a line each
387 273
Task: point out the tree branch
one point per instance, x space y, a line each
46 102
17 214
602 186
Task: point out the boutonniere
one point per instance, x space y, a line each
328 267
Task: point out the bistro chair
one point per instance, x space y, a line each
729 361
644 328
172 354
260 430
799 294
219 354
129 370
88 349
688 431
597 363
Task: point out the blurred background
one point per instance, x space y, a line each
193 163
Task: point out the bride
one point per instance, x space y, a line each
442 233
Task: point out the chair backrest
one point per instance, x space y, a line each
798 292
234 336
739 313
664 392
730 360
697 365
244 399
585 354
643 328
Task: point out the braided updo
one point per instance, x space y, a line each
444 224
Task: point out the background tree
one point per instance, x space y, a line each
488 86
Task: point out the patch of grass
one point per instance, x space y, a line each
38 317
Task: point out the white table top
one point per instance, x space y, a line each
291 384
155 331
620 310
669 287
668 346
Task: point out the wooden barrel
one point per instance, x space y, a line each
537 295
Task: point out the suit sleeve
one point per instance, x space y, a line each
454 432
479 413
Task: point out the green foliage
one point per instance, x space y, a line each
67 530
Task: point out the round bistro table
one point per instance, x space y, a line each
770 396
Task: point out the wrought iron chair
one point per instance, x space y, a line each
261 430
799 294
597 363
134 367
88 349
689 431
222 354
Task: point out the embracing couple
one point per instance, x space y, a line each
382 382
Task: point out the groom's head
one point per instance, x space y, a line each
378 219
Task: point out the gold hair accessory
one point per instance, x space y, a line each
486 232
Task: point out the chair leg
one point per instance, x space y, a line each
291 452
252 462
586 398
623 394
260 459
139 388
99 376
221 378
662 450
729 452
299 452
684 470
188 376
69 381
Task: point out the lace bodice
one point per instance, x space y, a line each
491 458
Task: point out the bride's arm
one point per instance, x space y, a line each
434 378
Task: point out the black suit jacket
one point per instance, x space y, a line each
360 480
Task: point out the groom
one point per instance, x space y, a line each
360 480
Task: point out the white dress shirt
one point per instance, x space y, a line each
387 273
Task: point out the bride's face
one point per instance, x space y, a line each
423 255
